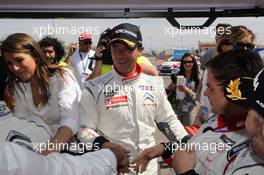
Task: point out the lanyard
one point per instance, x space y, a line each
86 64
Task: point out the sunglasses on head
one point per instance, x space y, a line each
240 45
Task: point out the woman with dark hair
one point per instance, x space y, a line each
31 133
183 107
47 91
189 69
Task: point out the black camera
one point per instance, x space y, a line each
104 39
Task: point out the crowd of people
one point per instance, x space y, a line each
96 112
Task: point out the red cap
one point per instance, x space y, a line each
85 36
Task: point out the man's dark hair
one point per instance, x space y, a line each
56 44
234 64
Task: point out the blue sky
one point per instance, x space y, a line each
157 33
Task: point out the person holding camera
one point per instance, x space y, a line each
82 59
104 60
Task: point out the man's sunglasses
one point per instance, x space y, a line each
185 62
87 42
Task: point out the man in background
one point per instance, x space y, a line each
82 60
53 50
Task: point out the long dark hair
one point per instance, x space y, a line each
195 71
23 43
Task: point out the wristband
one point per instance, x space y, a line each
168 149
97 58
99 141
186 138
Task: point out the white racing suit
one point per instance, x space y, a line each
16 160
215 144
246 162
224 151
237 160
30 133
127 111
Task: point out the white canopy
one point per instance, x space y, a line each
169 9
113 5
